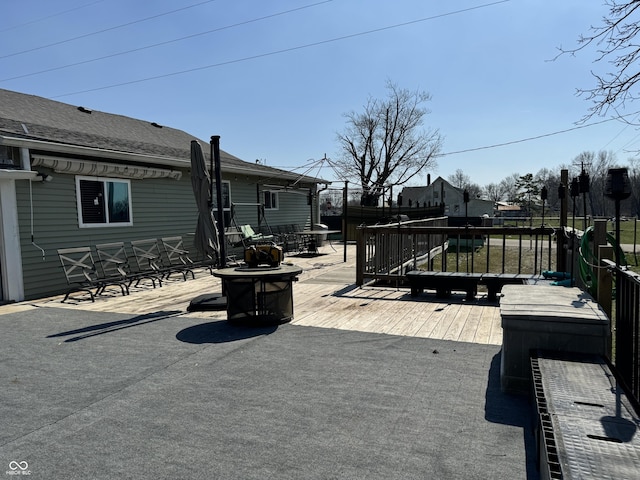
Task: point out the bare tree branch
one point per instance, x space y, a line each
385 144
615 43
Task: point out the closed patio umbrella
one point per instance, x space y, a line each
206 237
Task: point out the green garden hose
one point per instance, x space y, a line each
587 260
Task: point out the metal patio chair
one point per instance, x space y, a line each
82 275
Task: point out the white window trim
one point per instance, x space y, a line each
226 209
274 194
81 224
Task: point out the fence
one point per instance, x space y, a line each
387 252
627 326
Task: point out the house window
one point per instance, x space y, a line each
435 195
103 202
9 156
270 200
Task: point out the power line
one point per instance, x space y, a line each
528 139
284 50
53 15
513 142
167 42
42 47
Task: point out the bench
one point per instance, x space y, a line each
443 282
495 281
586 424
446 282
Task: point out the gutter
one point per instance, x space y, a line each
139 158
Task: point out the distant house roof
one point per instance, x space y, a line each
42 124
419 194
506 207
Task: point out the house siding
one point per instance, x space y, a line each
292 207
57 139
292 210
160 207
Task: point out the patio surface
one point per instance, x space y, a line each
136 387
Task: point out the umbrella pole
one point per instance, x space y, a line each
215 158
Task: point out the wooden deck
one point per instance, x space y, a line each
325 296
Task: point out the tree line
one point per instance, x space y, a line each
590 168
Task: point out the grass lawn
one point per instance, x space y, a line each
629 230
478 261
512 262
629 234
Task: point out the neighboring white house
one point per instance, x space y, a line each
442 192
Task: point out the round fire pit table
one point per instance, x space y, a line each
259 295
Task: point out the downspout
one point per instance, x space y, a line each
25 163
326 187
31 220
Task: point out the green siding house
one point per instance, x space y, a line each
71 177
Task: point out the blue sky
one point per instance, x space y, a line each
274 78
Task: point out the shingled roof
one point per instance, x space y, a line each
58 124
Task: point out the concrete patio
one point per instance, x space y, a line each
364 383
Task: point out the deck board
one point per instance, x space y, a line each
324 297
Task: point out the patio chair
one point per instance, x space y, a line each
175 258
210 261
114 260
289 240
82 275
147 257
249 236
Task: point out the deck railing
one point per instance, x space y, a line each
626 356
387 252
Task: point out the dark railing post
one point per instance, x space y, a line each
345 219
360 256
561 239
618 188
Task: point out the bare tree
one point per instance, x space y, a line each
616 43
385 145
459 179
551 180
494 192
509 187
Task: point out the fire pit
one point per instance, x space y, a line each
260 295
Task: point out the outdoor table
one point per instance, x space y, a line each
311 237
261 295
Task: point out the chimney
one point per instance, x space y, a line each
428 179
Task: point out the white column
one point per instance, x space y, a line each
10 252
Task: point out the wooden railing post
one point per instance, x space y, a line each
360 257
